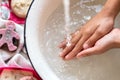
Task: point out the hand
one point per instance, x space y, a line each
95 29
111 40
87 36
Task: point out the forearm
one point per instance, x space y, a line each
111 8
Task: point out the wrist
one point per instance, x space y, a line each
109 13
111 8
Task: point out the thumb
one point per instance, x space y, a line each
89 52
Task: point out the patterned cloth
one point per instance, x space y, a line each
18 62
7 14
18 58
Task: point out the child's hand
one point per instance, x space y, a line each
111 40
87 36
95 29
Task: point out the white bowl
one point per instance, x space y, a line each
45 29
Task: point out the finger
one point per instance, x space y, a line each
77 48
69 48
66 51
89 52
92 40
63 43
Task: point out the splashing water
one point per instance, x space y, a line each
67 20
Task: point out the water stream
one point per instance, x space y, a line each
67 20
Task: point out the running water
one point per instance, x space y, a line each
67 20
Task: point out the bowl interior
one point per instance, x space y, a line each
45 30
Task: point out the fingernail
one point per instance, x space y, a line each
79 56
67 58
85 46
60 54
59 45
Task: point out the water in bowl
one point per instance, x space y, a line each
102 67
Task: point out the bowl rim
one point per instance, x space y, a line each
42 73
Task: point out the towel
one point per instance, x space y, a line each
20 66
15 60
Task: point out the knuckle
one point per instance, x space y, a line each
73 42
87 32
90 42
78 47
99 32
75 51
